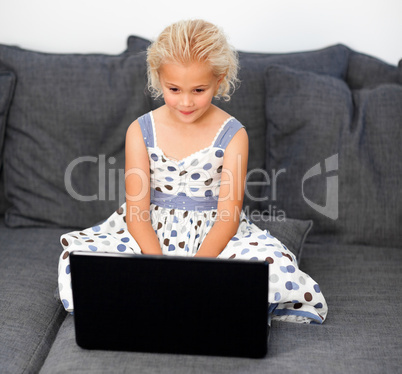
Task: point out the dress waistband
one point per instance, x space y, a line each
183 202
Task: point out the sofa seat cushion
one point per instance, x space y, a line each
29 315
69 115
336 152
361 334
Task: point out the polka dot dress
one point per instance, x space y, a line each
183 208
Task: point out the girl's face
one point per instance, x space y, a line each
188 89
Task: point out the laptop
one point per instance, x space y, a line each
169 304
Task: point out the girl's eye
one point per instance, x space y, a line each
173 89
199 90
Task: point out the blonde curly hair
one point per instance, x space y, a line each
193 41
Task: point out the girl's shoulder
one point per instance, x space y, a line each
221 116
134 129
224 117
141 124
134 135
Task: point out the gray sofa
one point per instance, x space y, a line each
325 167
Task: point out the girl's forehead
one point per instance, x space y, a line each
198 65
194 71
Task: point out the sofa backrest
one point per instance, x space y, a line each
65 134
324 128
7 85
334 146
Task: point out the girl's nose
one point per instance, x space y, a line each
186 100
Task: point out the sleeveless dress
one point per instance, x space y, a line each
184 197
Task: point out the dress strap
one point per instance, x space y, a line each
227 133
145 122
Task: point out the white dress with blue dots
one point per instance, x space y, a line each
183 208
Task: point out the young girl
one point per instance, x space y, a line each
186 165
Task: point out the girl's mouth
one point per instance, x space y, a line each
186 113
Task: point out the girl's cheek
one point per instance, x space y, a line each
171 101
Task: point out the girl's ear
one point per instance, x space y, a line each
218 83
221 78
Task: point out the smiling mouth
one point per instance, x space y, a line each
186 113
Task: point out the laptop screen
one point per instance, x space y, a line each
170 304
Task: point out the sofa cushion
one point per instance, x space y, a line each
29 315
68 120
366 72
329 148
361 334
371 193
4 203
7 83
248 102
137 44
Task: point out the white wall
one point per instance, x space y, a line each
369 26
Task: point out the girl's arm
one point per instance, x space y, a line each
231 196
138 197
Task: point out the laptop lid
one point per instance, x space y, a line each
170 304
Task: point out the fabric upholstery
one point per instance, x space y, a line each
332 147
248 101
137 44
359 121
366 71
359 336
7 84
4 203
69 114
29 315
